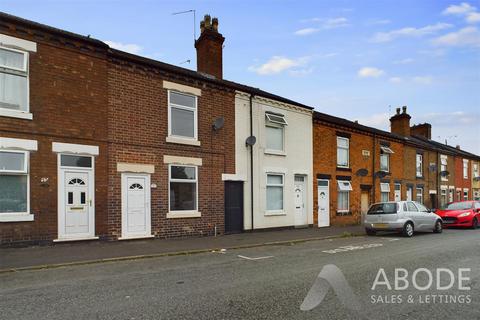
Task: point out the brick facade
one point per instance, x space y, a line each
68 101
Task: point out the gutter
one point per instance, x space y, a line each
251 160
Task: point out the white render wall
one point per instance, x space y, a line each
296 160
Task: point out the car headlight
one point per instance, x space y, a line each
465 214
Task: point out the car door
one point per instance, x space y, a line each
412 213
426 217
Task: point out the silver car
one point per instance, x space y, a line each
402 216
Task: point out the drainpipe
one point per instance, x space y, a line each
439 192
251 158
373 167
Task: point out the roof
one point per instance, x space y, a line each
151 62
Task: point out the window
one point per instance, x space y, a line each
384 192
450 195
343 201
75 161
183 188
422 208
274 192
14 182
419 197
343 145
275 131
465 169
411 207
443 167
475 170
385 158
443 198
182 110
419 165
13 79
465 194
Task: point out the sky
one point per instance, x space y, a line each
355 59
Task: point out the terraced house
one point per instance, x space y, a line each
96 143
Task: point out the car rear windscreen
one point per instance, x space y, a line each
383 208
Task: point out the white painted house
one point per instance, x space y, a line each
282 161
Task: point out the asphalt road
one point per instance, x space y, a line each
226 286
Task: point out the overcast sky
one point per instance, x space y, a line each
354 59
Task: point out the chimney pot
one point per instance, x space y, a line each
458 146
404 109
398 110
210 48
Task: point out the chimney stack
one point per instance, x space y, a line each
210 48
400 122
423 130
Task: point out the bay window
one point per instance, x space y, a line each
343 196
14 182
275 192
183 187
182 113
343 146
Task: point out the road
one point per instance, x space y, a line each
259 283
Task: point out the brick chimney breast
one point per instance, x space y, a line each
422 129
400 122
210 48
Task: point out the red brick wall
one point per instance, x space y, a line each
460 182
68 101
138 127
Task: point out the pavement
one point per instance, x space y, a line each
88 252
264 282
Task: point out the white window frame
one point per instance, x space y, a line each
190 213
465 168
465 194
419 189
279 211
344 148
475 170
342 189
22 114
18 216
272 123
177 106
419 165
443 166
385 189
385 152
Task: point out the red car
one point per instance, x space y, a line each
461 214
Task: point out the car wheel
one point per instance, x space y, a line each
474 223
370 232
438 227
408 229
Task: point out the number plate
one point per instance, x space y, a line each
380 225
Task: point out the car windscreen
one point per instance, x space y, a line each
383 208
459 206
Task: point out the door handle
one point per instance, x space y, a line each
90 202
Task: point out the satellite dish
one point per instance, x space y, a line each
381 174
251 141
218 124
361 172
444 173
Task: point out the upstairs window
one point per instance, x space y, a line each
385 158
475 170
419 165
343 147
182 111
443 167
13 79
275 131
465 169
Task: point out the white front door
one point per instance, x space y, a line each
76 206
136 218
299 201
409 193
398 192
323 203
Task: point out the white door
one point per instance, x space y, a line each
409 193
76 204
398 192
323 203
299 201
136 219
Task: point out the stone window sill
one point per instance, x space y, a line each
15 217
178 140
183 214
16 114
